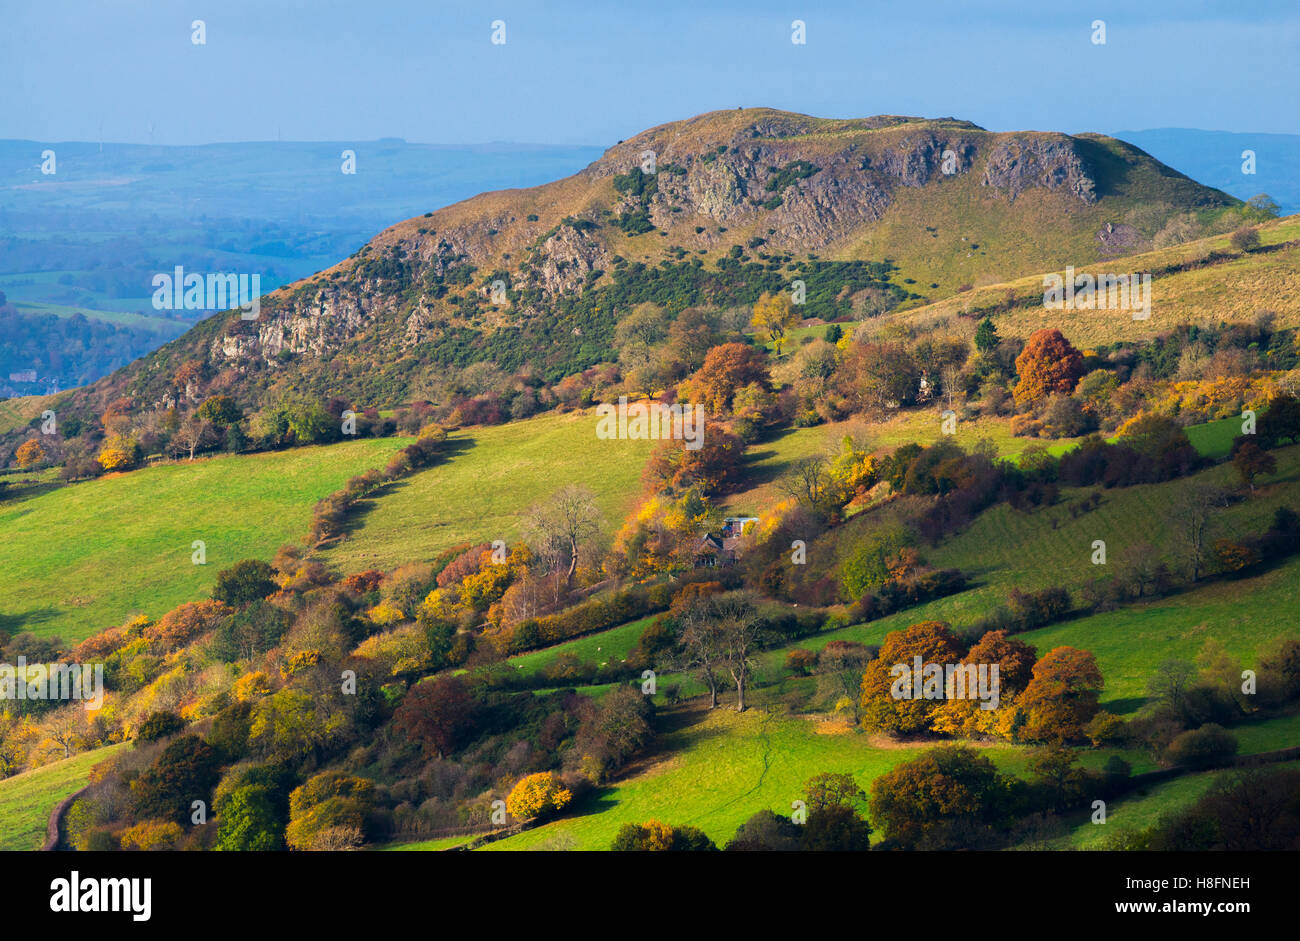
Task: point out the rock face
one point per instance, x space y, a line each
1050 162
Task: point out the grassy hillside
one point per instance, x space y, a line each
766 461
81 558
26 800
1233 289
493 476
1135 812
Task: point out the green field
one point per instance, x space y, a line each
27 799
608 646
1136 811
767 460
81 558
715 769
492 477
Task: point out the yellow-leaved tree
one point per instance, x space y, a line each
537 794
774 314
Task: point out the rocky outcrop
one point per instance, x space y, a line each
1019 162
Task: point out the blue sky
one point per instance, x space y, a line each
597 72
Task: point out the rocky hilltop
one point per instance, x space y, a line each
516 276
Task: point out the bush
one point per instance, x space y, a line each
1245 239
1206 747
244 582
159 725
655 836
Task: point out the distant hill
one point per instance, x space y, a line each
89 238
872 214
1214 158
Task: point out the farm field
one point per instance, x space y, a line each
27 799
493 475
81 558
613 644
1135 812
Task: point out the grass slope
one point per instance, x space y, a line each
81 558
27 799
1234 290
481 492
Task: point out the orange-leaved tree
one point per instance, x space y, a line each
1048 364
889 703
1062 697
29 453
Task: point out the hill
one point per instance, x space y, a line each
872 214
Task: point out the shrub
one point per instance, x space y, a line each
159 725
245 582
1206 747
1245 239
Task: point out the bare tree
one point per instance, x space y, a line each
65 728
557 528
193 433
1191 514
740 630
809 481
702 648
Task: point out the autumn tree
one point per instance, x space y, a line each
1245 239
119 453
947 798
775 315
185 771
727 369
613 729
220 410
439 714
1047 365
713 467
66 729
1014 657
329 812
537 795
1062 697
656 836
906 714
876 377
30 454
184 623
1252 461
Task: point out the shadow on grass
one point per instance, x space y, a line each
17 622
453 447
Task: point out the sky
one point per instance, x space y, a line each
598 72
